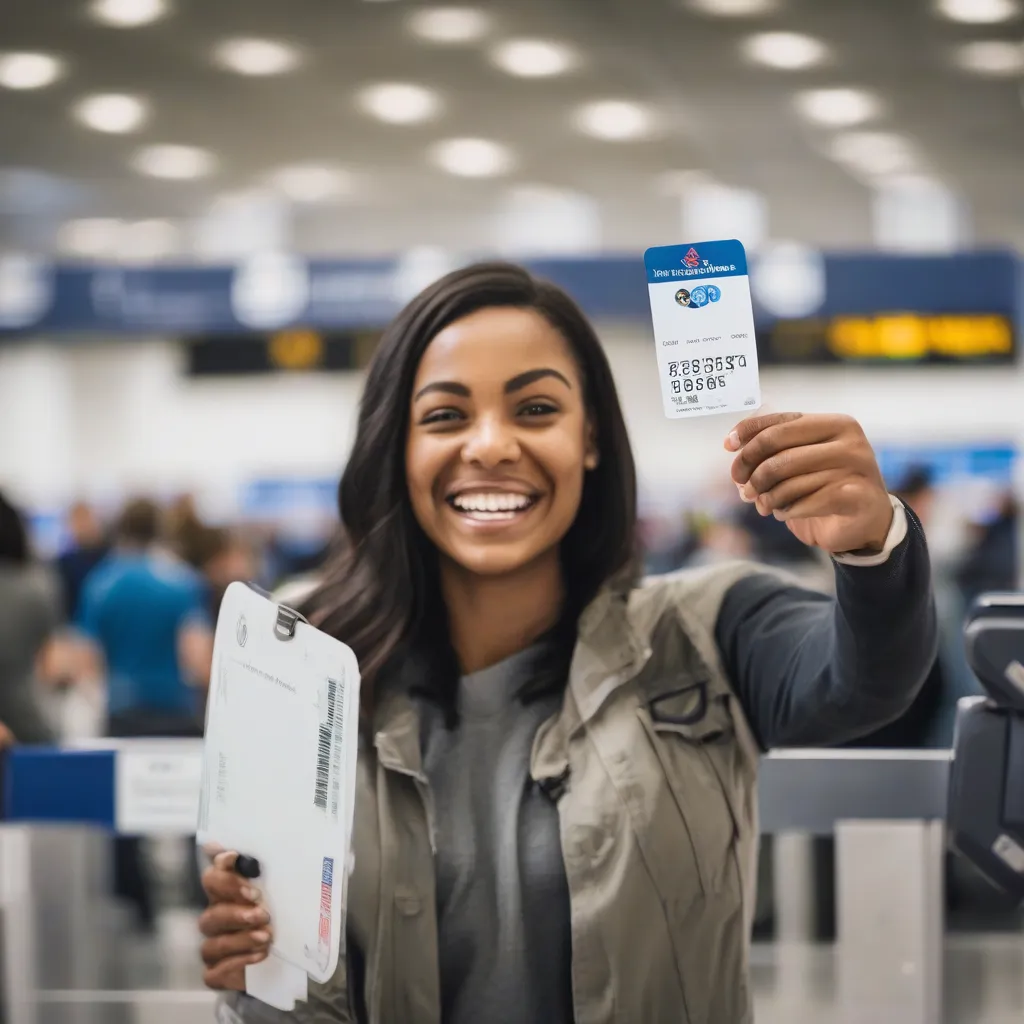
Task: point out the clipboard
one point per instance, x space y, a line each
278 780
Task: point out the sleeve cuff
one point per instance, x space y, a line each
897 534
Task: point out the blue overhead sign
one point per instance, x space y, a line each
873 306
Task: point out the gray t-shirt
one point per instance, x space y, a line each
502 896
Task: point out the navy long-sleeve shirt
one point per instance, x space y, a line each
813 670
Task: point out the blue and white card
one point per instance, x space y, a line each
703 328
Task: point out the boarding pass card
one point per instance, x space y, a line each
279 765
703 328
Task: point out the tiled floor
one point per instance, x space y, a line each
157 981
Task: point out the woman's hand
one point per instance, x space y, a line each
235 927
816 474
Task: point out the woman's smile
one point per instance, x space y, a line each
492 508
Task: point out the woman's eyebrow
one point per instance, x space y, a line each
523 380
448 387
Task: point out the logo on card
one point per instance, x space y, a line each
692 259
698 297
241 631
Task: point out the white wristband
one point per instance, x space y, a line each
897 534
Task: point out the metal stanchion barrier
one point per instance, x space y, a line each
885 809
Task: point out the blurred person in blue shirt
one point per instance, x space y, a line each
145 620
146 617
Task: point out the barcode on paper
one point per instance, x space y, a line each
325 739
339 732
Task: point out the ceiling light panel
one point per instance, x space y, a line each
450 26
997 58
128 13
257 57
534 58
114 113
615 120
174 163
93 237
472 158
399 102
785 51
29 70
733 8
311 183
838 108
978 12
880 154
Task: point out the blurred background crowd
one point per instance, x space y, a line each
50 580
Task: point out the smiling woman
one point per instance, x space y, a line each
487 383
555 804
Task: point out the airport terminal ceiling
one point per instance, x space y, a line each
943 100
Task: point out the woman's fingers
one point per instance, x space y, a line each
224 885
225 947
229 975
223 918
789 492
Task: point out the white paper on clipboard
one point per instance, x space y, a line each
279 767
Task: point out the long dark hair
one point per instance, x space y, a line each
381 595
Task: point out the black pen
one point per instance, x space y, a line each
247 867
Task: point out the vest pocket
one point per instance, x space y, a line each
686 728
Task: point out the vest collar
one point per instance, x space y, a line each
609 650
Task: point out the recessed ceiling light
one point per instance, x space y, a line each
678 183
732 8
311 183
144 241
615 120
28 70
257 56
128 13
179 163
786 51
450 25
399 102
533 58
116 113
838 108
978 12
472 158
91 236
875 153
997 58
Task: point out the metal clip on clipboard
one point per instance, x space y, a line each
287 618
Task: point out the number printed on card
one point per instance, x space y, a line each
703 328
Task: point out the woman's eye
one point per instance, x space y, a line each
442 416
538 409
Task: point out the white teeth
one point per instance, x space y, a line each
491 502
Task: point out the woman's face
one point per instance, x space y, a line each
499 441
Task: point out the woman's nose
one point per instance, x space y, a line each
491 442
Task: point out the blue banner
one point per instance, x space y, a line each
946 464
278 291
